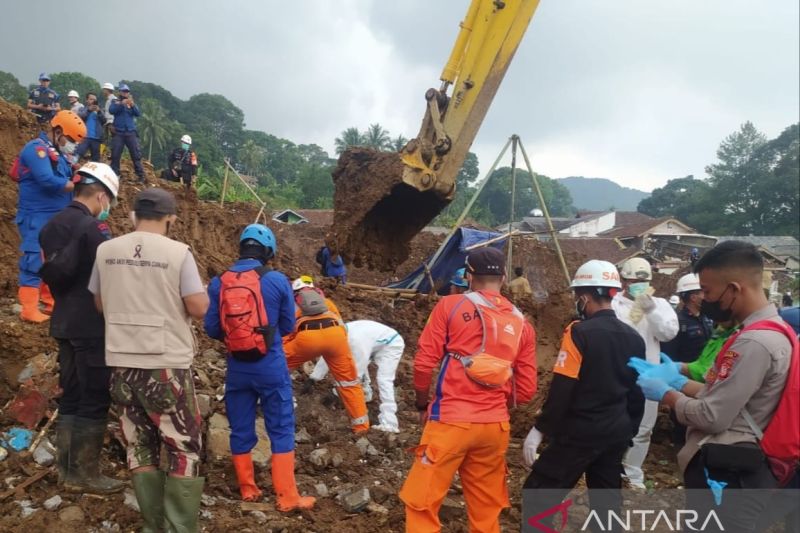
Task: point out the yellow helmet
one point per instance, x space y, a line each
301 282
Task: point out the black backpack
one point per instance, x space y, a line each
60 268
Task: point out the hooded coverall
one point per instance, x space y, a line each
324 335
468 424
656 325
373 341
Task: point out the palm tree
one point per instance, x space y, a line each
251 156
349 137
398 143
377 138
152 125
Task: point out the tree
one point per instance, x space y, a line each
686 199
63 82
398 143
377 138
348 138
251 156
219 117
12 90
152 125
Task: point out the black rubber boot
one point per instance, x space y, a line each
149 488
63 444
182 503
85 451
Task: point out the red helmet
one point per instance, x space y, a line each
71 125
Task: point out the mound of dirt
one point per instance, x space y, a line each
376 215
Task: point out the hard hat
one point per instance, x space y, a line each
109 86
70 124
124 88
596 273
459 278
44 76
637 268
688 283
74 93
674 300
100 173
302 282
186 139
261 234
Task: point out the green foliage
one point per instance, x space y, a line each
63 82
349 137
12 90
153 125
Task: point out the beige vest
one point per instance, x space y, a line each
146 322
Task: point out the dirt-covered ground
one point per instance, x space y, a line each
212 232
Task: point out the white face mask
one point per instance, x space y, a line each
68 148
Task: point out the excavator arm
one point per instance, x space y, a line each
382 200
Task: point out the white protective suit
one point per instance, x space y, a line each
656 322
373 341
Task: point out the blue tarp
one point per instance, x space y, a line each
451 259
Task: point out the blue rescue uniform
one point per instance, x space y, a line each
125 136
334 268
44 96
43 174
266 380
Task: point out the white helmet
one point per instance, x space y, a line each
302 282
637 268
186 139
72 93
688 283
109 86
596 273
102 173
674 300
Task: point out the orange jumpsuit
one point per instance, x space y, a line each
468 425
325 335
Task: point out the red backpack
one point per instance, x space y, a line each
780 441
243 314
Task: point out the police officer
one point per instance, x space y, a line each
77 326
183 163
594 406
92 115
694 328
125 111
149 289
45 188
43 101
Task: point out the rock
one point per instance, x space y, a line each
27 511
44 454
337 460
206 514
260 517
51 504
356 501
208 501
211 354
322 490
16 309
320 457
3 453
108 525
373 507
204 404
302 436
73 513
380 493
131 501
218 440
365 447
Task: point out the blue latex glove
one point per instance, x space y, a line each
640 365
676 380
668 371
716 488
653 388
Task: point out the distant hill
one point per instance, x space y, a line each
598 194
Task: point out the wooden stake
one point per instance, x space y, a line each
28 482
42 433
224 187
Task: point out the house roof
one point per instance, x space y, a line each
289 216
606 249
780 246
637 228
540 223
317 217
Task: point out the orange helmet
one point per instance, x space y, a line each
70 124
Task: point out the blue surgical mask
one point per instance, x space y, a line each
185 146
637 289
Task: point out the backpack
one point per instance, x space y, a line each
243 315
310 301
60 268
320 259
491 365
780 441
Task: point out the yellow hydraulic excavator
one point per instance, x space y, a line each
383 199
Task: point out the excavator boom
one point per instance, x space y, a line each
383 199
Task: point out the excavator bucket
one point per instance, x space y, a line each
376 214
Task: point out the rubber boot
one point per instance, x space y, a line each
86 448
182 503
285 485
46 297
149 489
29 299
63 442
243 463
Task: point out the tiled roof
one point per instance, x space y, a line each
781 246
317 217
606 249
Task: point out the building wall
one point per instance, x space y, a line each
670 226
591 227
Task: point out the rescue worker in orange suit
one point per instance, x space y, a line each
320 331
486 353
594 406
44 174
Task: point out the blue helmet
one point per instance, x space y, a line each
459 278
44 76
122 87
262 235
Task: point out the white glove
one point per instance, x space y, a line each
646 303
386 428
531 444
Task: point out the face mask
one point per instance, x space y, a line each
714 310
103 215
637 289
68 148
185 146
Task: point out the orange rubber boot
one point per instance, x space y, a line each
243 463
29 299
46 297
285 485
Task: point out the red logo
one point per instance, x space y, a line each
561 508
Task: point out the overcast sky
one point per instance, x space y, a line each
639 91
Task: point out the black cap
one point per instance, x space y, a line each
156 201
486 261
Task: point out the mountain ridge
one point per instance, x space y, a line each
602 194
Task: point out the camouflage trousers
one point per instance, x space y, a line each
159 406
